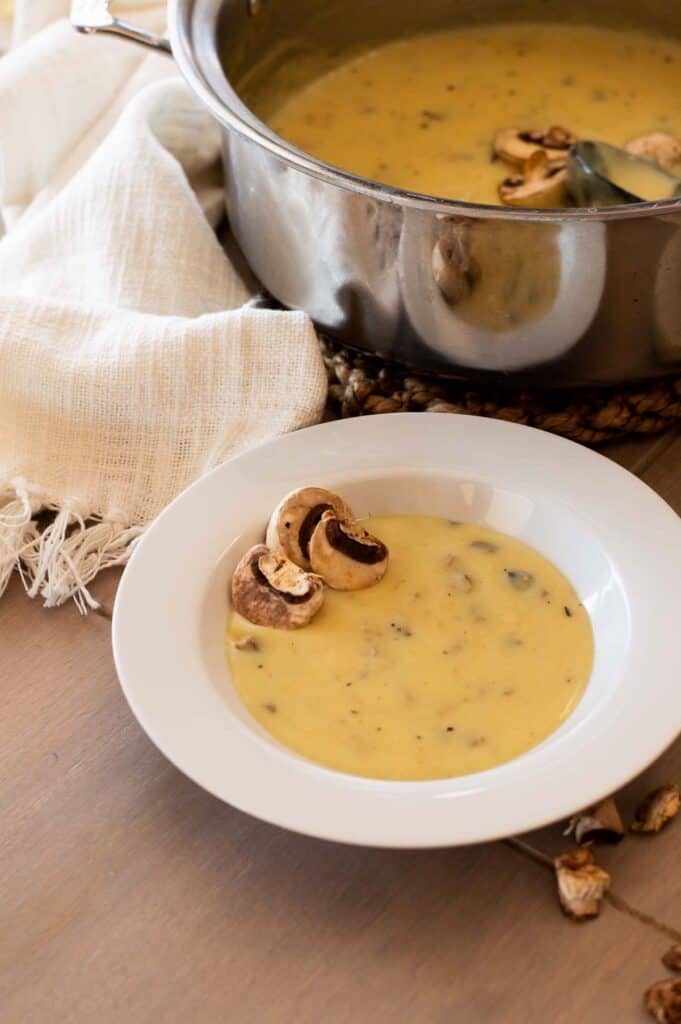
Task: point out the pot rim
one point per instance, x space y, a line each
259 133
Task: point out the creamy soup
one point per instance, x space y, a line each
421 114
470 651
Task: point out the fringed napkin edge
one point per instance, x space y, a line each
58 560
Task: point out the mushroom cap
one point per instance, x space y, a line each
346 555
516 145
542 184
660 148
294 519
269 589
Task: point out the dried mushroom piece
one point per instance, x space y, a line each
658 808
270 590
601 824
515 146
659 147
346 555
672 958
294 520
455 271
663 1001
542 184
581 884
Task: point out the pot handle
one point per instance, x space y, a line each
94 16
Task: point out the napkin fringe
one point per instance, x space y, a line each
18 529
60 560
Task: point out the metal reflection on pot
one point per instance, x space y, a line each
501 296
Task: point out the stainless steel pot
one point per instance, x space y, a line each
580 296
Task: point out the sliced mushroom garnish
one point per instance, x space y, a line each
269 589
663 1001
581 884
345 555
657 809
294 520
515 146
601 824
455 271
659 147
542 184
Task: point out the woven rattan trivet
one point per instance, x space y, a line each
359 385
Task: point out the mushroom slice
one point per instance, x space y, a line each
515 146
294 520
660 148
601 824
657 809
663 1001
542 184
581 884
345 555
269 589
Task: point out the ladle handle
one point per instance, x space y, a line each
94 16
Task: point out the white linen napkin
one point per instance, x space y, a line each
130 359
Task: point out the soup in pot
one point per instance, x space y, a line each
422 113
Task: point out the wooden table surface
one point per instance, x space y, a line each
127 894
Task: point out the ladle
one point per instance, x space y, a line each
603 175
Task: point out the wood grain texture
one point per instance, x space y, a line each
128 894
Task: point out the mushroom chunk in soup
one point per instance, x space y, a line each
469 649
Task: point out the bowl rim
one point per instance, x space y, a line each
284 789
232 113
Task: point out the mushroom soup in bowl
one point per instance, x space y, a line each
452 649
